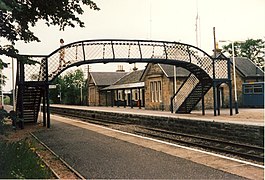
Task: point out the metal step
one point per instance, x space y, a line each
31 103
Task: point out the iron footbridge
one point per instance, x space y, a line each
206 72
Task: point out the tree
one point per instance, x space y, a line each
251 49
2 76
17 16
69 87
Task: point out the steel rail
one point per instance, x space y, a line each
210 146
209 139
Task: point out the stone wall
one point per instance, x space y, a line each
155 74
226 131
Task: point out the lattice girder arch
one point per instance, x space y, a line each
202 65
105 51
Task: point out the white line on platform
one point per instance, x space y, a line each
171 144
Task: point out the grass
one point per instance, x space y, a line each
18 160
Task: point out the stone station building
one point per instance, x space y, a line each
153 87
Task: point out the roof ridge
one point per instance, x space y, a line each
163 69
120 78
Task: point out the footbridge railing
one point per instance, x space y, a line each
197 61
106 51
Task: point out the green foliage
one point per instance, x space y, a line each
19 161
251 49
2 79
70 87
3 114
2 64
2 76
17 16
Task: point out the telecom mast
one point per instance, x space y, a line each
198 28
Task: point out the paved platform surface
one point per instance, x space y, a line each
101 153
248 116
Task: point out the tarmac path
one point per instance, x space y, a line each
97 156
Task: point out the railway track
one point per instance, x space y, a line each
244 151
234 149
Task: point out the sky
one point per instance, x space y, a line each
168 20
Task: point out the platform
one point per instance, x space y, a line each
248 116
99 152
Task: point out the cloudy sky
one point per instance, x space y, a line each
169 20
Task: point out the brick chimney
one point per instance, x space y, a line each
120 68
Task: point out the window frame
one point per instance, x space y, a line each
156 91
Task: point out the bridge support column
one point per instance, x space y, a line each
44 108
21 84
47 94
214 98
171 104
218 100
48 108
230 98
203 108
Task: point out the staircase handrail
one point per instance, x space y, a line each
178 98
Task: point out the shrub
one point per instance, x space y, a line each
19 161
3 115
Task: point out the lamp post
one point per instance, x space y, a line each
81 92
60 92
234 72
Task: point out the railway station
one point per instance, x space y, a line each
132 89
147 112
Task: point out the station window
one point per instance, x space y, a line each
156 91
152 92
253 89
257 89
248 89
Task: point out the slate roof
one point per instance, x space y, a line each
132 77
130 80
106 78
243 65
247 67
169 71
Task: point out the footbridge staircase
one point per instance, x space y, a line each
206 72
